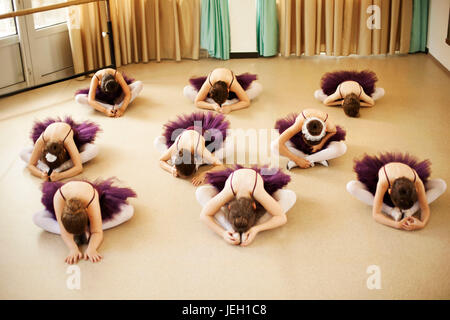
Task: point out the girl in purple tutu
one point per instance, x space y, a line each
397 185
60 148
349 89
80 210
223 91
241 202
308 138
110 92
190 141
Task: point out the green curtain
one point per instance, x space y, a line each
267 27
215 28
419 27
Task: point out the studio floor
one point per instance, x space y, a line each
166 252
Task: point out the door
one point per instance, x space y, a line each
39 50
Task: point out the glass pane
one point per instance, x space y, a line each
7 26
49 18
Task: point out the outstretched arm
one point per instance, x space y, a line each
201 97
127 94
91 98
366 101
96 231
209 158
413 222
331 131
244 101
212 207
35 156
286 136
272 207
76 159
378 216
333 100
166 157
74 252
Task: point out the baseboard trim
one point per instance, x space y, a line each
243 55
438 63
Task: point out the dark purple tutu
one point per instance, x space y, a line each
104 97
368 167
272 182
83 132
284 123
245 80
111 197
214 123
331 80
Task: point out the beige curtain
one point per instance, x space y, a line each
339 27
143 30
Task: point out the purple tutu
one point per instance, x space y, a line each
331 80
111 197
84 132
214 123
245 80
284 123
105 97
272 182
368 167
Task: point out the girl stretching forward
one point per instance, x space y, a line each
349 89
241 202
60 148
222 91
308 138
110 92
190 141
397 185
80 211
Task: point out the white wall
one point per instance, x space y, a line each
437 31
242 25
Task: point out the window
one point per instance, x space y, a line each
7 26
49 18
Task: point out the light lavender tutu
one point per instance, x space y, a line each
105 97
111 197
368 167
331 80
283 124
245 80
214 123
83 132
272 182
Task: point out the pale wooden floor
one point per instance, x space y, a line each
165 252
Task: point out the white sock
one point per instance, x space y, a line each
125 214
334 150
435 188
190 92
254 90
160 144
378 94
360 192
45 220
320 95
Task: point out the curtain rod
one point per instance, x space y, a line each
45 8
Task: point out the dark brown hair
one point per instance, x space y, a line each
74 216
243 213
403 193
219 92
109 84
314 128
351 105
58 150
185 163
